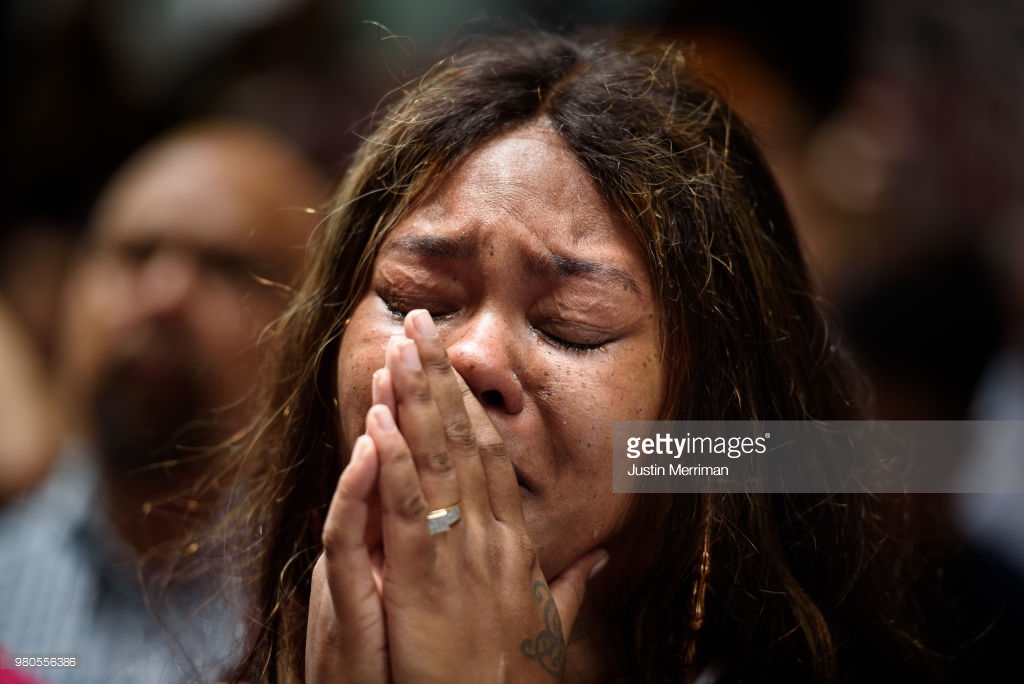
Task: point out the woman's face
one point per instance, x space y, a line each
544 303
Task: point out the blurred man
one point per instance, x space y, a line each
191 249
29 424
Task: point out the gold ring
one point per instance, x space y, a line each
442 519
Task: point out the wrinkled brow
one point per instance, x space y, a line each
550 265
562 266
433 246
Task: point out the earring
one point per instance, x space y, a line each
700 586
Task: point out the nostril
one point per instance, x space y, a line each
494 398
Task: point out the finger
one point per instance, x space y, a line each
420 423
569 588
347 558
382 390
408 548
346 618
455 421
502 487
383 393
357 647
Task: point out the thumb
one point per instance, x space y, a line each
569 587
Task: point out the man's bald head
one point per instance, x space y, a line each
168 306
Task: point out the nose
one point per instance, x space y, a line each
482 352
167 280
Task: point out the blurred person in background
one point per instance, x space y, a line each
191 251
33 263
29 422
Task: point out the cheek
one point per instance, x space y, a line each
589 400
640 385
586 516
581 401
360 353
217 320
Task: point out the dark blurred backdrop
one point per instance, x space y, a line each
896 130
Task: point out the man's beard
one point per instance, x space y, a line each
150 407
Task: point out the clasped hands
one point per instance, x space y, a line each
468 604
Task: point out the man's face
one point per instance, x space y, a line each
166 310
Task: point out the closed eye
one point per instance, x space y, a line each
399 307
579 341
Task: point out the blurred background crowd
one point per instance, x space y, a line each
896 131
893 127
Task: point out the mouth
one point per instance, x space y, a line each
514 452
524 481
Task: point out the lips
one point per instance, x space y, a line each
524 480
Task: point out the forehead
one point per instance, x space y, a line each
199 195
528 186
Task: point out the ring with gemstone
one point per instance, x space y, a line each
442 519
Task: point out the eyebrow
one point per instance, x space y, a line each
561 266
432 246
548 265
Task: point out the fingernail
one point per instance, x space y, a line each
598 566
424 324
375 385
410 355
358 450
384 418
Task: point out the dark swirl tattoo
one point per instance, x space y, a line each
549 647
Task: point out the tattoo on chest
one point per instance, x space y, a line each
549 647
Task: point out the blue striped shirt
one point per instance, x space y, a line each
68 587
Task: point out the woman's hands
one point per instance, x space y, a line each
467 604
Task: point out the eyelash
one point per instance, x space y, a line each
398 312
577 347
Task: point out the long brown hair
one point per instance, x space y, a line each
758 584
